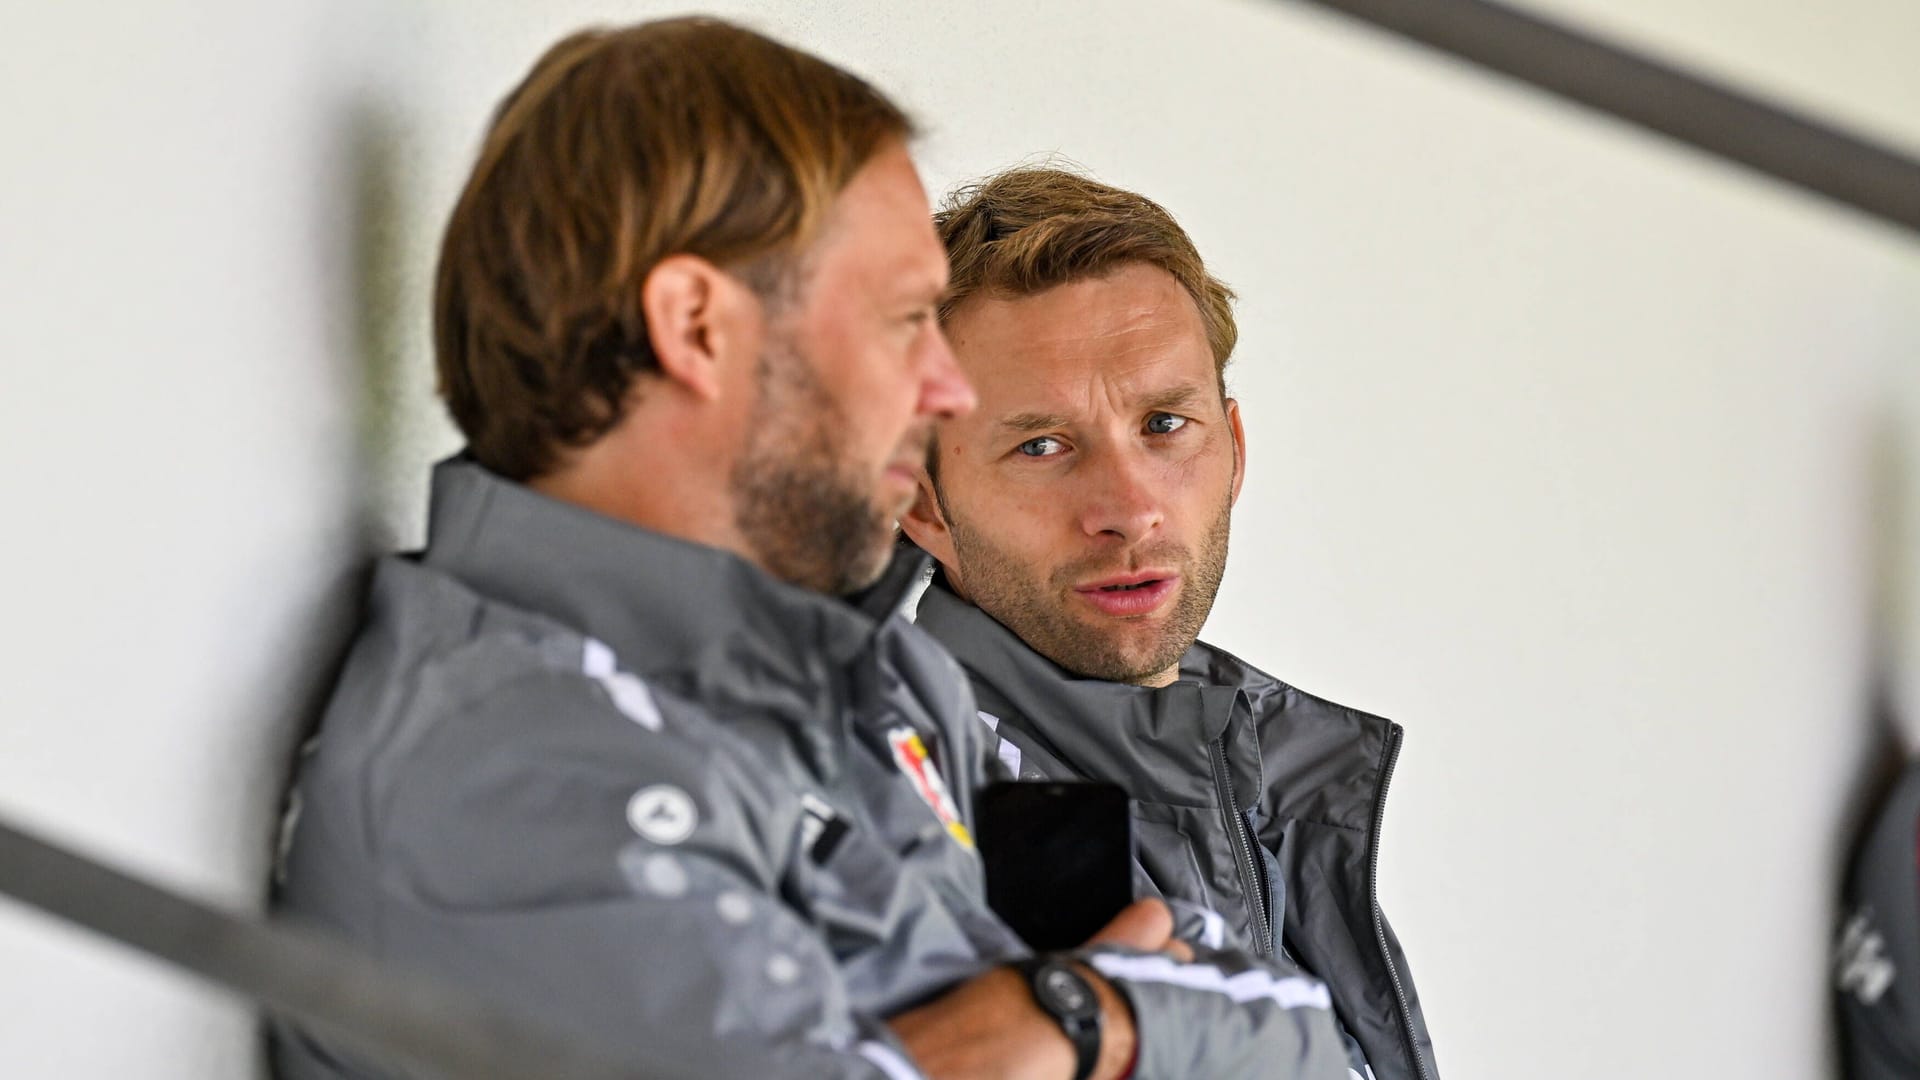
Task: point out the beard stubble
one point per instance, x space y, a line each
799 500
1035 609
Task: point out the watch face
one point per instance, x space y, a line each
1067 990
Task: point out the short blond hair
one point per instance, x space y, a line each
1029 229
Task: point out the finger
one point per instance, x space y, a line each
1143 924
1179 950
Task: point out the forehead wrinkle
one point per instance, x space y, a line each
1127 328
1126 383
1144 378
1124 357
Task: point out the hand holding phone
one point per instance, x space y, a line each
1059 858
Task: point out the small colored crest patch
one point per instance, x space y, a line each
911 755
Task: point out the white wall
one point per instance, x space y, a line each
1571 451
177 471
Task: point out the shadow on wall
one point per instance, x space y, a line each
1883 754
316 645
302 667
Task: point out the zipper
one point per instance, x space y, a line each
1373 901
1241 832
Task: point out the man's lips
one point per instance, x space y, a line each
1129 594
911 454
906 463
904 474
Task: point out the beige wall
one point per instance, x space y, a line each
1584 457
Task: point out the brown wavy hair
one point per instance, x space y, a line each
1029 229
622 147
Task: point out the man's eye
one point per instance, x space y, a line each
1044 446
1161 423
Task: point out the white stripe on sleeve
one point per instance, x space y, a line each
1213 925
1288 992
889 1060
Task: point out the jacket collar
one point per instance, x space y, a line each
660 603
1157 737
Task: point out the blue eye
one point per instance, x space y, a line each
1044 446
1161 423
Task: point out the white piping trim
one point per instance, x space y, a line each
1009 753
596 659
1288 992
1010 757
1213 925
889 1060
629 694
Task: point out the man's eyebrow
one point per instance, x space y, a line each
1032 421
925 288
1174 397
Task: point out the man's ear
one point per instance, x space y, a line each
1239 447
696 316
926 526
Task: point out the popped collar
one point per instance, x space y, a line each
663 800
1309 776
643 592
673 611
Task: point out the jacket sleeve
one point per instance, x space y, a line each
613 861
1225 1015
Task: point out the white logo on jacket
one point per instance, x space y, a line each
663 814
1863 968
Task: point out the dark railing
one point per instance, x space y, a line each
1729 124
302 975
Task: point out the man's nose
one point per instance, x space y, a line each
945 392
1123 496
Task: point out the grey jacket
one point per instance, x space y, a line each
1250 798
1877 955
690 813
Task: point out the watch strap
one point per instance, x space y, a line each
1081 1028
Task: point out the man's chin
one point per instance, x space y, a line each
1122 658
874 566
893 509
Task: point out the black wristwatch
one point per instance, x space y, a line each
1067 997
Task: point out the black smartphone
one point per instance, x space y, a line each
1059 857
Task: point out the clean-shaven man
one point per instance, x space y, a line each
612 748
1080 518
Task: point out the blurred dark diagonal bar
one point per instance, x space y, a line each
304 976
298 974
1729 124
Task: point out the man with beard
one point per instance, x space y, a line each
613 748
1080 519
